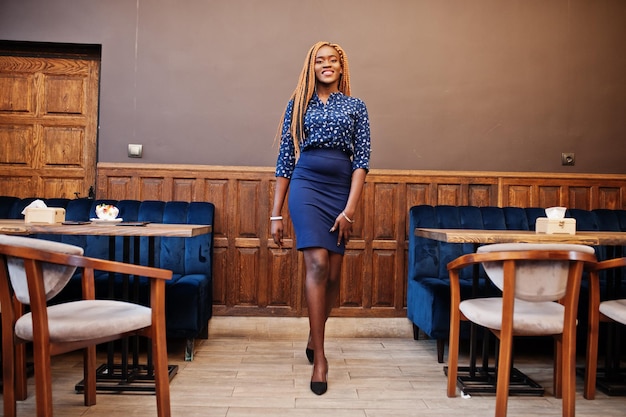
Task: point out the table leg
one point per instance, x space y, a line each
129 374
612 378
482 380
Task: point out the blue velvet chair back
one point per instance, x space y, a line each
187 255
515 218
19 206
6 206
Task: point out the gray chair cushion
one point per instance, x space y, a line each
614 309
538 285
55 276
529 318
535 280
88 319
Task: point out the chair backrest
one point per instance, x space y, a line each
55 276
536 280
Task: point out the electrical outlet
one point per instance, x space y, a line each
135 150
568 158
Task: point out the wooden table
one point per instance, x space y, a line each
481 236
112 376
477 380
98 229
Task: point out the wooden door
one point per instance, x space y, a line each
48 125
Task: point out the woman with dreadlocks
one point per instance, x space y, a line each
323 160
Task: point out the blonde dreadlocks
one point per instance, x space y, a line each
306 87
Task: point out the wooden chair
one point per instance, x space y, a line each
605 311
540 284
32 271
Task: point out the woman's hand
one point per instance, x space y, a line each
345 228
277 232
345 219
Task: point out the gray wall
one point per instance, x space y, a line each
496 85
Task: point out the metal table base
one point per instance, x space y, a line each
137 379
483 381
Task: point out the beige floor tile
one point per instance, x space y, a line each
257 367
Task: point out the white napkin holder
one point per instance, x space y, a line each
555 222
554 226
48 215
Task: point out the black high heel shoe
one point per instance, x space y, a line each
319 387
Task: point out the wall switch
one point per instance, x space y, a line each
568 158
135 150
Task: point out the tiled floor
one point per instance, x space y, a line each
257 367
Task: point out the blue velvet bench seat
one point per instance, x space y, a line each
428 286
189 295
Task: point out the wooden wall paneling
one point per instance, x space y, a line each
216 191
288 236
220 272
384 210
227 230
400 242
355 285
243 211
119 188
378 202
152 188
247 210
251 287
387 208
414 194
481 195
297 278
517 196
417 193
383 286
579 197
282 276
549 195
252 276
285 276
183 189
610 197
449 194
401 303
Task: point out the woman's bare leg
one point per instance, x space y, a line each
332 287
334 279
323 270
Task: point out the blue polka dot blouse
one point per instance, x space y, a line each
342 123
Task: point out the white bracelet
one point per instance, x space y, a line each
276 218
343 213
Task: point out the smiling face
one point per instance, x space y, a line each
328 66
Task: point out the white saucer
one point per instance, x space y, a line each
106 221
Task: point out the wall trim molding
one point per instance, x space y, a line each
253 277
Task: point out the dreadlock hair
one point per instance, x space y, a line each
306 87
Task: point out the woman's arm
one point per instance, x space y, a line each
345 219
276 226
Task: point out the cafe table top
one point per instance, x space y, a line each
19 227
521 236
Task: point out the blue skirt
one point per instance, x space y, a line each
318 192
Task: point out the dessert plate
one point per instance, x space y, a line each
106 221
